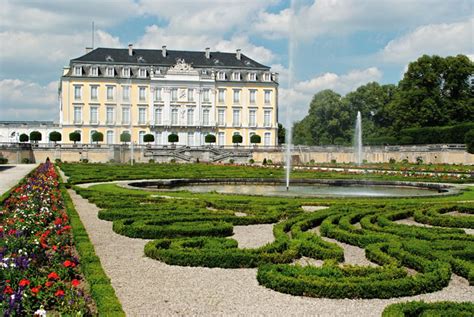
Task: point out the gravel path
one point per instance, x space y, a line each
411 222
10 177
253 236
148 287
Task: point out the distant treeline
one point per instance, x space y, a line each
433 103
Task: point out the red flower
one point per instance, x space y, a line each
54 247
68 263
11 232
8 290
59 292
66 228
48 283
75 282
24 282
58 221
35 290
53 276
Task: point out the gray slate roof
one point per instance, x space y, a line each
154 57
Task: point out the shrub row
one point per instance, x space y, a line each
415 308
437 135
434 216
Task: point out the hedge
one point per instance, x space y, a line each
420 308
437 135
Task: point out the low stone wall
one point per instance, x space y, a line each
103 154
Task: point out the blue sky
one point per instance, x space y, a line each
340 44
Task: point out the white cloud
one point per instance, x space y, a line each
440 39
23 100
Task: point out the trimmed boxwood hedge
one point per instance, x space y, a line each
441 309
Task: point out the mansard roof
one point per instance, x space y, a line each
154 57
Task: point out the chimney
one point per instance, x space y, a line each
208 52
130 49
88 49
238 54
163 50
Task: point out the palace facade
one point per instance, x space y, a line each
160 92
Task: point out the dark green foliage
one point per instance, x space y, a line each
35 136
440 309
3 160
125 137
97 137
55 136
173 138
469 140
281 134
210 138
237 138
432 135
75 137
24 137
147 138
255 139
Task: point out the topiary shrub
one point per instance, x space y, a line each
251 161
125 137
75 137
469 139
147 138
55 136
25 160
173 138
210 138
3 160
237 139
97 137
35 136
255 139
24 137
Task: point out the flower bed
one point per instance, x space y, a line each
39 270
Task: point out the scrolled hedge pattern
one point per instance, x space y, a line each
195 230
419 308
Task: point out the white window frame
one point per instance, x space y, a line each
267 118
126 72
96 88
190 137
190 94
236 76
141 93
110 97
253 121
109 71
267 77
206 116
219 113
174 116
142 72
126 109
236 92
267 97
126 96
221 95
142 111
206 95
77 70
221 138
252 76
141 136
92 121
158 96
190 116
174 94
236 120
77 115
94 71
267 139
110 137
221 76
77 92
254 93
158 110
109 120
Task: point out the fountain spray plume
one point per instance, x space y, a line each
291 49
358 140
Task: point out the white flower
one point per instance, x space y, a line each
40 312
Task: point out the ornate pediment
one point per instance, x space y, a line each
181 67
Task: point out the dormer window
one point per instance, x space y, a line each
142 73
221 76
126 72
204 72
266 77
236 76
94 71
77 71
110 72
252 76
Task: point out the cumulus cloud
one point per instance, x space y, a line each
440 39
23 100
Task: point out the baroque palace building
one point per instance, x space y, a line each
159 92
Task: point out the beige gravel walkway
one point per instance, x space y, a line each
148 287
10 177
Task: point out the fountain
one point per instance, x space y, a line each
358 140
291 48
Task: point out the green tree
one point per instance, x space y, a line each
24 137
97 137
281 134
173 138
75 137
148 138
255 139
302 132
125 137
469 139
35 136
55 136
237 139
210 138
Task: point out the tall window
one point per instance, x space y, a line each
190 94
77 71
142 73
266 138
110 137
141 135
94 92
252 96
174 94
158 94
266 77
141 115
221 96
221 76
252 117
205 95
94 115
221 117
77 114
190 139
77 92
267 118
142 93
190 116
221 138
158 138
205 117
252 76
236 96
94 71
110 93
126 72
174 116
268 95
110 119
125 115
91 134
158 115
236 76
110 71
236 117
126 93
